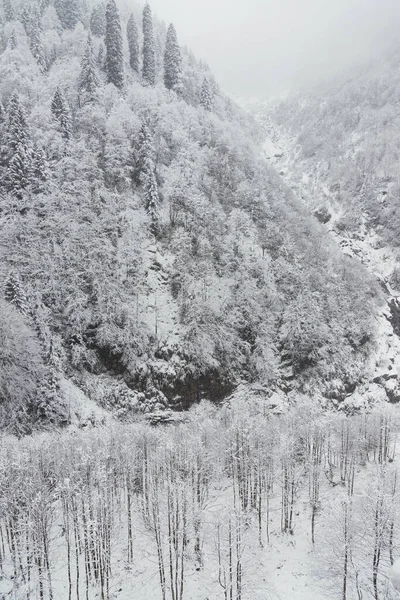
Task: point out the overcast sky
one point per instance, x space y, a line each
261 47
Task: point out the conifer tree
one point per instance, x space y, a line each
114 55
17 128
26 18
12 40
152 201
133 43
172 61
36 46
19 170
149 62
69 12
98 20
8 10
39 170
145 153
101 57
60 111
206 97
15 295
43 4
88 79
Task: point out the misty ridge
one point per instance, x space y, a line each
200 300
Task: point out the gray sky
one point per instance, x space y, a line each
261 47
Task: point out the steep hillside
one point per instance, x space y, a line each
148 251
337 148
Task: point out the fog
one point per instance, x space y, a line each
261 47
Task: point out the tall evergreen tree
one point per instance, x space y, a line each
145 153
36 46
15 294
172 61
39 170
206 96
133 43
88 79
19 170
26 18
17 128
114 54
69 12
60 111
98 20
151 197
8 10
101 57
149 61
12 40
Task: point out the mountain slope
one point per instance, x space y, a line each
337 149
233 282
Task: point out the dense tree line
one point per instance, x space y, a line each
80 511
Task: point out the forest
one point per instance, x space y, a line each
150 256
236 503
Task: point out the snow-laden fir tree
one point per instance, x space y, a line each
145 153
206 96
17 127
133 43
149 60
26 18
12 40
60 111
114 51
40 172
15 294
8 10
101 57
98 20
69 12
89 82
19 170
36 46
151 197
43 4
172 61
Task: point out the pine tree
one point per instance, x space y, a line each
19 171
8 10
172 61
39 170
145 153
98 20
101 57
114 55
152 201
36 46
206 97
89 82
26 18
17 128
43 4
12 40
149 61
15 295
133 43
16 152
60 111
69 12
